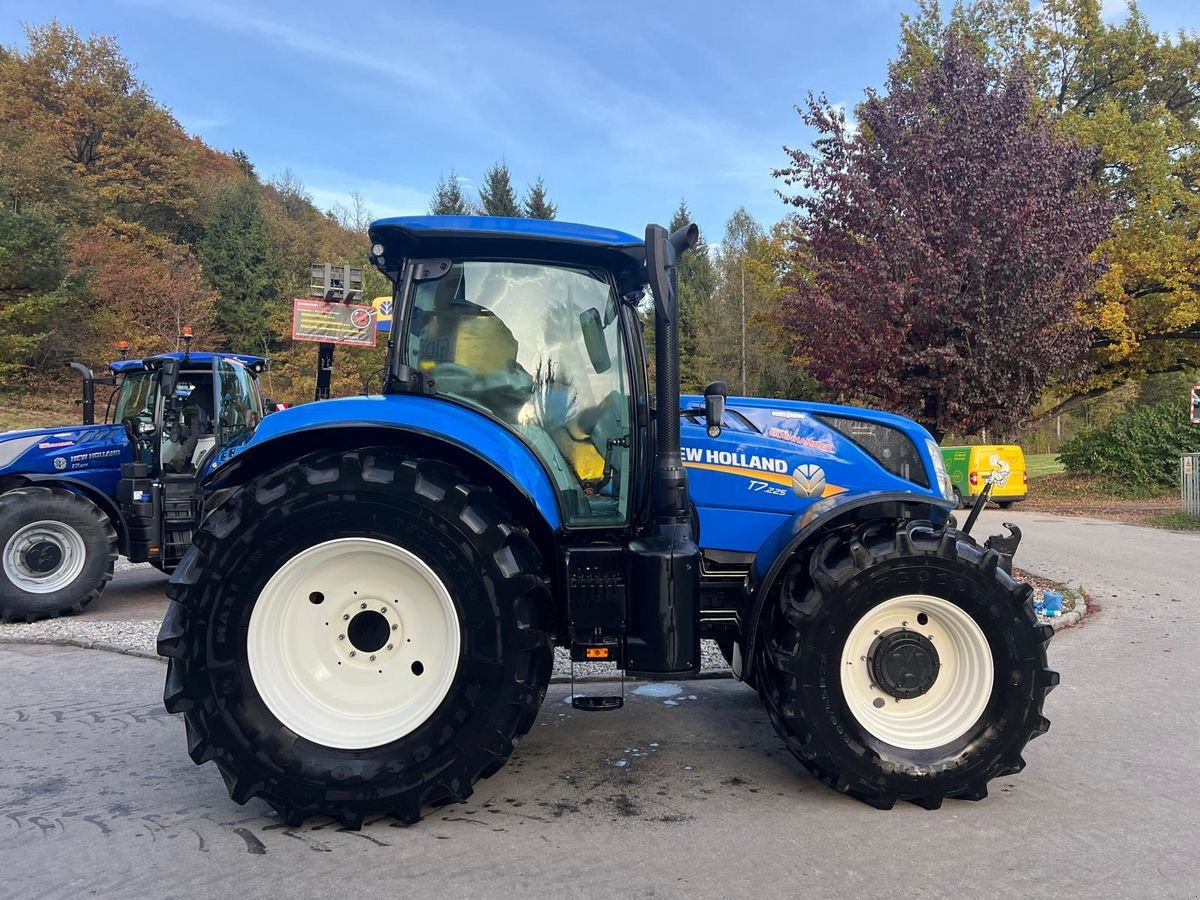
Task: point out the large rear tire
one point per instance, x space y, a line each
356 634
57 551
900 662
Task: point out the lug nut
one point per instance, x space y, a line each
341 637
390 646
372 657
352 653
346 617
394 627
362 606
383 609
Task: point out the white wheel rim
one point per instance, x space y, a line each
25 556
317 666
959 694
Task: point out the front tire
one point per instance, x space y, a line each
899 662
57 551
356 634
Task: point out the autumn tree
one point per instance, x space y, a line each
106 127
536 204
142 288
941 249
239 262
448 198
497 196
1133 95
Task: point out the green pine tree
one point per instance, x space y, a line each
537 205
239 262
448 198
697 284
497 196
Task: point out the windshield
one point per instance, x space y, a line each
136 397
539 348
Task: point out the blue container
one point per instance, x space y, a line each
1052 603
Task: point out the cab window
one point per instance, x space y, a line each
539 348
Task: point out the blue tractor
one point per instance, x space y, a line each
365 622
72 498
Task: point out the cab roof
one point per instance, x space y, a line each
497 237
200 357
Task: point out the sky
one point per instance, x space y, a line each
623 108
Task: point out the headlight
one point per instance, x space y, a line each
11 449
939 469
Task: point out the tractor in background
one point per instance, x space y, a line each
72 498
365 621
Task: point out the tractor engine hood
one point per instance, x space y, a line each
775 459
63 450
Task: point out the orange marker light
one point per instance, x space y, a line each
186 331
122 345
597 652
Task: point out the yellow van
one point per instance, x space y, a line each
971 467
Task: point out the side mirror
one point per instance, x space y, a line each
168 378
593 339
714 406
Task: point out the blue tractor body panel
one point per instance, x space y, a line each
198 358
778 463
88 454
471 431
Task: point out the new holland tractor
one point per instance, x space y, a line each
365 621
72 498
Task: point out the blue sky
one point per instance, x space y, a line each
623 110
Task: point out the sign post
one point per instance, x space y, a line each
332 317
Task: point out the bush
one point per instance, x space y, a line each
1138 450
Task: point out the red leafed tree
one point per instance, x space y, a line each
943 248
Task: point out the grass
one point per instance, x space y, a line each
1178 521
1038 464
42 412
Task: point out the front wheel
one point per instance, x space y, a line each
57 551
356 634
900 662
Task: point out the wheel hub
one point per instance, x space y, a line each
903 663
42 557
368 631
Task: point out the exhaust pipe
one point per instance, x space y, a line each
663 631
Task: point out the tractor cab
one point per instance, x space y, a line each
73 497
177 411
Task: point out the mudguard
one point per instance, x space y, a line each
800 529
351 421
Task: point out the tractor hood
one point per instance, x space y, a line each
774 459
63 450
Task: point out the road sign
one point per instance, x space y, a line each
1196 405
333 323
383 313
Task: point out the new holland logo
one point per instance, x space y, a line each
808 480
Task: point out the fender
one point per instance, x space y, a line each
429 423
823 516
106 504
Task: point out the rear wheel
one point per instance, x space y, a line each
357 634
57 551
901 663
1006 504
959 503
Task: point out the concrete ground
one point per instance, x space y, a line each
685 792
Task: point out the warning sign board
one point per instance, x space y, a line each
333 323
1196 405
